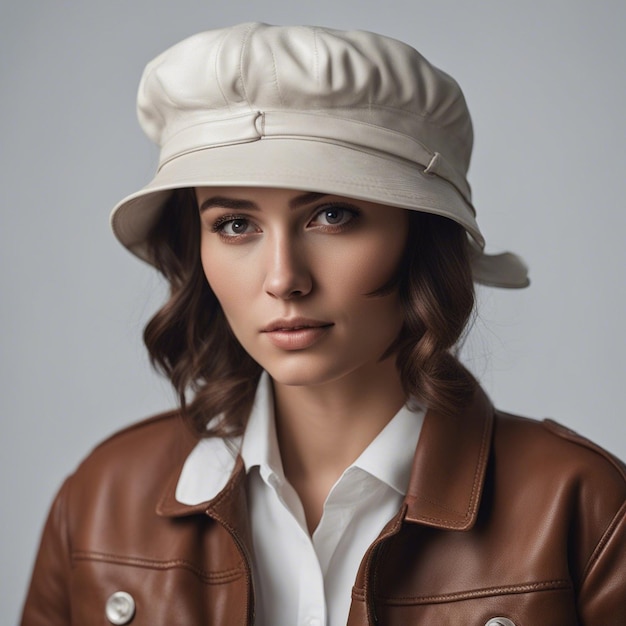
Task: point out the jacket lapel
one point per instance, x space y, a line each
218 467
448 471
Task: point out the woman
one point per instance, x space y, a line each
332 461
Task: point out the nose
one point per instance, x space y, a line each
287 272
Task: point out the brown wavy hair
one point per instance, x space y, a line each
190 341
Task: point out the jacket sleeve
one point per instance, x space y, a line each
602 596
47 602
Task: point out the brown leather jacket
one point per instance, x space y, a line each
504 518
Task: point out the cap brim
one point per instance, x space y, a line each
309 165
499 270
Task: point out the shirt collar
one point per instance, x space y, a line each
210 464
260 442
390 456
206 470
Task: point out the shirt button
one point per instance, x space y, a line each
120 608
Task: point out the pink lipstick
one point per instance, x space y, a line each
297 333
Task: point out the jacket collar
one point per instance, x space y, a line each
208 468
446 482
449 467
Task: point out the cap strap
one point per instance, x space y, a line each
360 135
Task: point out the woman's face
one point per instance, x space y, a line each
294 273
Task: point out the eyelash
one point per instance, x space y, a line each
353 211
219 224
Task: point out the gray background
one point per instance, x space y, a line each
545 83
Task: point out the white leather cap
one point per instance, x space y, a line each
348 113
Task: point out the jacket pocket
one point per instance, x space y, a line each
162 593
547 603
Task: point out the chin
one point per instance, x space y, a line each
303 374
298 378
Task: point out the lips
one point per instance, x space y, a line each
296 333
293 324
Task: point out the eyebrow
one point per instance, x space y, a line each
240 205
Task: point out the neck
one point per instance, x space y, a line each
323 429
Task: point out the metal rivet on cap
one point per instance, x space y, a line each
120 608
500 621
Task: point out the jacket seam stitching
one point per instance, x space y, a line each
478 472
233 484
604 540
548 585
225 576
562 432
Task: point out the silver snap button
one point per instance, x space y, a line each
120 608
500 621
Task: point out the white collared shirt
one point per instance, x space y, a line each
299 579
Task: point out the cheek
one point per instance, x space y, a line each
211 269
368 266
226 283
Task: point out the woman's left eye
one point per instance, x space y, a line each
334 216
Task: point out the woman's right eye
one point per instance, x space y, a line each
233 226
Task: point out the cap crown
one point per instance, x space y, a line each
249 81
